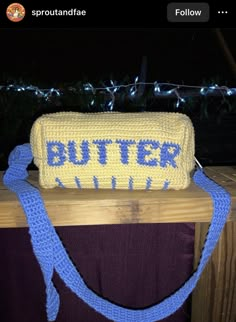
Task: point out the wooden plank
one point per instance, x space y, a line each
224 172
214 298
91 207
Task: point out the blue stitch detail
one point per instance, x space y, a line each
77 181
167 157
60 184
166 185
113 182
55 153
95 182
131 183
124 150
102 150
148 183
84 149
142 152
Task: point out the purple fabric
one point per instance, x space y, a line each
133 265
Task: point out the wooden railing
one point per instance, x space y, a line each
214 298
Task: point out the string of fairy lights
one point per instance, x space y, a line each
180 92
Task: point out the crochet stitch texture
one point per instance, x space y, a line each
114 150
52 255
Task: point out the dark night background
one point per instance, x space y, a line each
53 56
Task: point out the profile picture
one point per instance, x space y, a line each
15 12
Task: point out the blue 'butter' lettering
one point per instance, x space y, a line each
84 152
102 150
124 150
142 152
56 153
168 152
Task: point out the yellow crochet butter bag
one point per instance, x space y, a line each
149 150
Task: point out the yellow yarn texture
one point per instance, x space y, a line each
111 150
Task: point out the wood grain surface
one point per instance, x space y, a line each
214 298
93 207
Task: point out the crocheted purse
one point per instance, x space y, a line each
65 146
114 150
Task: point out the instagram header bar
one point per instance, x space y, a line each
172 14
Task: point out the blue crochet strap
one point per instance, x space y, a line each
52 255
39 225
